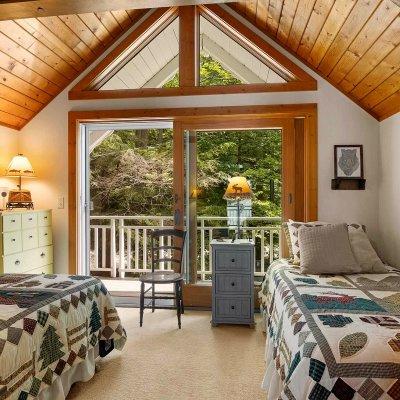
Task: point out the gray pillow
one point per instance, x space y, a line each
326 250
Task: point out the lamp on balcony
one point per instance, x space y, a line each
238 189
20 167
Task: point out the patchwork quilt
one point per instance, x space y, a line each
48 324
331 336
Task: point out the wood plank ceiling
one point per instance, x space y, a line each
39 57
354 44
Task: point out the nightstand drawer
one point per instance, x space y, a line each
29 220
232 283
12 242
45 236
233 261
30 239
44 218
235 307
11 222
13 263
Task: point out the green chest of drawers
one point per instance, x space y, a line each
26 242
233 282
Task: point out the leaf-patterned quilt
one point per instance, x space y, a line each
48 324
331 336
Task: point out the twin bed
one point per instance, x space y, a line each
331 336
52 329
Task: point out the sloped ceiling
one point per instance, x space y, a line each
354 44
39 57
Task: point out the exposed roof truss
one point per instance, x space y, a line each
104 81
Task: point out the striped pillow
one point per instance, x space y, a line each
294 226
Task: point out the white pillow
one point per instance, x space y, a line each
364 253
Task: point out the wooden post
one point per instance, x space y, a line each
188 46
179 178
192 206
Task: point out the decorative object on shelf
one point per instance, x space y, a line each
349 168
238 189
20 167
3 194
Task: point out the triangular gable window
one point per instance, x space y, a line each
151 67
226 61
213 53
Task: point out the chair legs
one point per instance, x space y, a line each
153 302
178 301
181 291
141 303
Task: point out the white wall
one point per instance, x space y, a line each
8 148
340 121
389 189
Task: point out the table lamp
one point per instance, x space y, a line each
238 189
20 167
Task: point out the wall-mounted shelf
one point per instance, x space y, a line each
348 184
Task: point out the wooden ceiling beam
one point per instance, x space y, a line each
15 9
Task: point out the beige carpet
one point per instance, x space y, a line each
159 362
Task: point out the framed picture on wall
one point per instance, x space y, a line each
349 163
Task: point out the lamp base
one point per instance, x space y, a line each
19 199
12 205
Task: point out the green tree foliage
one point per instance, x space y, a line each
131 171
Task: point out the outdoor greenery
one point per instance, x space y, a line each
131 171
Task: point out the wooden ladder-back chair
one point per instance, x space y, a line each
163 255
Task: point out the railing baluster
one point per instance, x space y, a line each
113 250
145 249
202 246
137 250
160 255
169 266
129 248
96 247
271 246
121 247
210 236
103 247
262 233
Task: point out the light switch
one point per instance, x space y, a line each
61 202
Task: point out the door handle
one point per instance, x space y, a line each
290 198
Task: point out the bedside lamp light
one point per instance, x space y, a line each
20 167
238 189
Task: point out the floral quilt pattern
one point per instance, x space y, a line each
48 324
331 336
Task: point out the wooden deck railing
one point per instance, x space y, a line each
121 244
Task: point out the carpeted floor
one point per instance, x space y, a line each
159 362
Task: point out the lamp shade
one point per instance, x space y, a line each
238 188
20 166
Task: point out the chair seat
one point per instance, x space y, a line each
161 277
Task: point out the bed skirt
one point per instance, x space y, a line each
81 372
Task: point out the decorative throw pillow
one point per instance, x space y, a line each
326 250
364 253
285 229
294 227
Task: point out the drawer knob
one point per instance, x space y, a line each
17 262
232 307
31 219
13 220
233 284
30 236
233 260
42 255
13 239
45 217
45 234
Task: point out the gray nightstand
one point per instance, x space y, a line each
233 282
